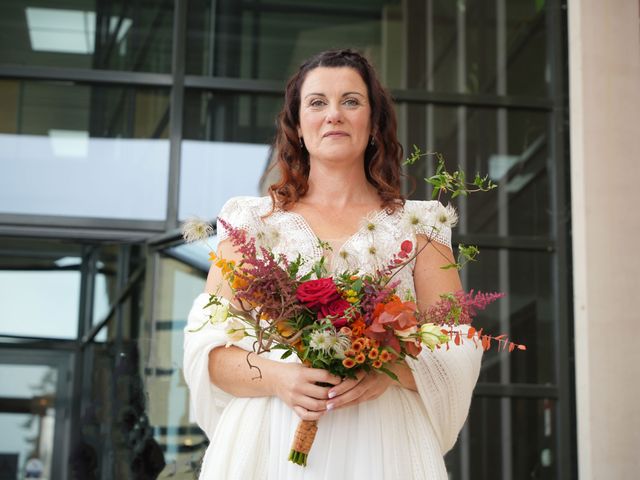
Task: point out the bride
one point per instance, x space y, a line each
338 196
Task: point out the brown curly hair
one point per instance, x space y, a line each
382 159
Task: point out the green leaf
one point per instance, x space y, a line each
389 372
286 354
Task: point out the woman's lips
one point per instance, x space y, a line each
335 133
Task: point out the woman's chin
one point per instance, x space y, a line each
338 155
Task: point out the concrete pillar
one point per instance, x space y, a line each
604 74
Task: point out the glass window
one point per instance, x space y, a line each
88 151
469 46
526 313
169 408
39 289
226 150
114 35
508 145
506 438
27 420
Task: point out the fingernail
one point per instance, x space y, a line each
329 406
332 394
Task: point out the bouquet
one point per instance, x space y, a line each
346 322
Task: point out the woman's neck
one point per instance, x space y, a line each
339 185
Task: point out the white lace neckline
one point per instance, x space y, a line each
374 216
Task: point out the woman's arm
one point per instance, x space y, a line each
430 281
229 369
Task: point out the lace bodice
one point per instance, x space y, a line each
370 248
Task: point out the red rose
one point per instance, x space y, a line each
335 310
315 293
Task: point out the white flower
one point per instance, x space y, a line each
340 343
415 220
321 341
268 236
405 335
195 229
235 331
444 216
431 335
219 311
327 341
370 223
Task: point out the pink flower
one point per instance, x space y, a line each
406 246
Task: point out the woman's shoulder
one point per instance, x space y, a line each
411 205
247 205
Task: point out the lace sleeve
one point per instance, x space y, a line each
239 212
425 216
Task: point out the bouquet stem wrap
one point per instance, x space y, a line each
302 441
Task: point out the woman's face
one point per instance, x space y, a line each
335 115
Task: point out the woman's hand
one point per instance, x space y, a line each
366 386
296 385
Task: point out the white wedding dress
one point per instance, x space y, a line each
400 435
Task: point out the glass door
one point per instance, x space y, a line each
34 412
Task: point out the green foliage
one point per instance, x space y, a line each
455 183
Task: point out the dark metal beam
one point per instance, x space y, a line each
176 112
522 390
124 293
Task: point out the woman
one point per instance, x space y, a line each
340 164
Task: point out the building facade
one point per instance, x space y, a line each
121 119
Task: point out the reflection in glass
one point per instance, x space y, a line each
226 150
506 438
117 35
212 172
76 150
472 46
27 420
39 288
508 145
169 411
525 313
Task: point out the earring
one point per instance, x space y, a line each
372 142
301 143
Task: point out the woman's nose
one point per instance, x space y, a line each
334 114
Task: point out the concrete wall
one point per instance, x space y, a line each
604 53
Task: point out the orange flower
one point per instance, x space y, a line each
285 329
385 356
239 283
357 345
373 354
348 362
226 266
377 364
357 327
350 353
360 358
212 256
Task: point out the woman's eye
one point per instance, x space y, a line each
316 103
351 102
